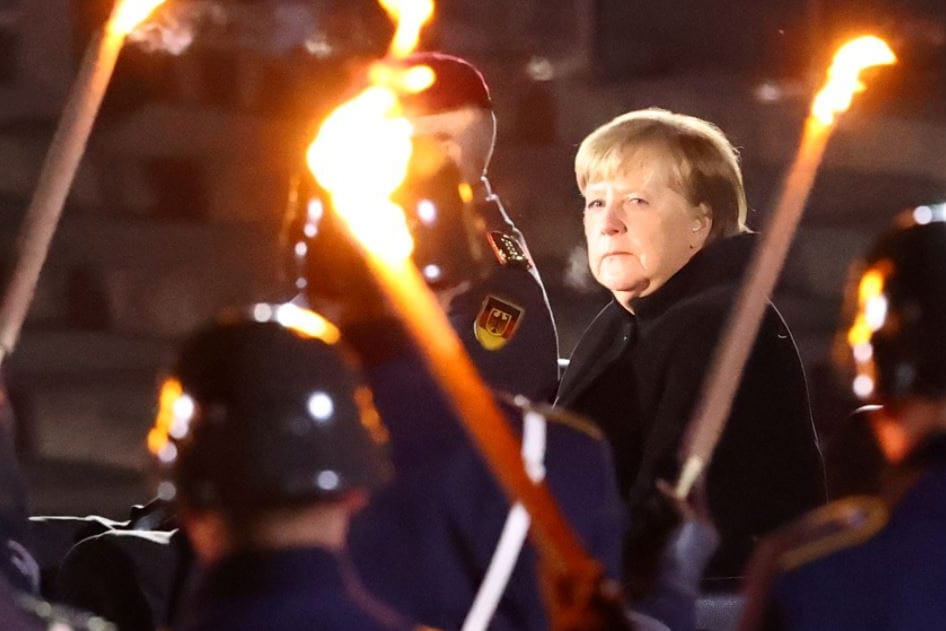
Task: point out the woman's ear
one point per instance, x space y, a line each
703 221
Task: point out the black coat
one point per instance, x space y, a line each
638 377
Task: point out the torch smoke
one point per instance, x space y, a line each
173 29
272 28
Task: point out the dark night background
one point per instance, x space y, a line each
177 206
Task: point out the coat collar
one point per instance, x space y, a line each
722 262
600 344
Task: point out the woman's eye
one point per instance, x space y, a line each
634 201
594 203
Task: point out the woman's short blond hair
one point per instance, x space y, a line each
706 165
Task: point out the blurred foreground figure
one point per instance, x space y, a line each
270 444
879 562
20 608
17 564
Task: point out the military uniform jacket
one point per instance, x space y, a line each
284 590
875 572
504 319
638 377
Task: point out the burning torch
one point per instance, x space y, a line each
712 410
360 157
62 160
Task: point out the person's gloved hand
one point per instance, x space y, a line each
682 560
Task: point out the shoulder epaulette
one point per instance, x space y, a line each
508 250
840 525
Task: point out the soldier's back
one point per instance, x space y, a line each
860 564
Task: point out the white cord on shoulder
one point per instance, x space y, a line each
514 531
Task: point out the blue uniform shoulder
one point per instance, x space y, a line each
806 542
830 529
818 534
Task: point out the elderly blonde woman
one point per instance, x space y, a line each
664 221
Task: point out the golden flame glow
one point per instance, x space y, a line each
370 417
466 192
360 157
870 287
418 78
410 80
361 152
859 333
128 14
410 16
171 391
306 322
844 75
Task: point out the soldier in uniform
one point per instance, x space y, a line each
513 324
879 562
269 443
475 258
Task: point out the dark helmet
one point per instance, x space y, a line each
450 243
897 334
265 409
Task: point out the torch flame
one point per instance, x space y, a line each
360 156
128 14
410 16
410 80
171 391
844 75
362 150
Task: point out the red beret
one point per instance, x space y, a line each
458 84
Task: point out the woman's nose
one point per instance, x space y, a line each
611 221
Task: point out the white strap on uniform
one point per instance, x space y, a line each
514 531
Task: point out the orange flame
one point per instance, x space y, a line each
128 14
306 323
410 16
361 152
171 392
360 157
870 296
844 75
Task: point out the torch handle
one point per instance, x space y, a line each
55 179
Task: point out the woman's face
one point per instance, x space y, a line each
640 230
